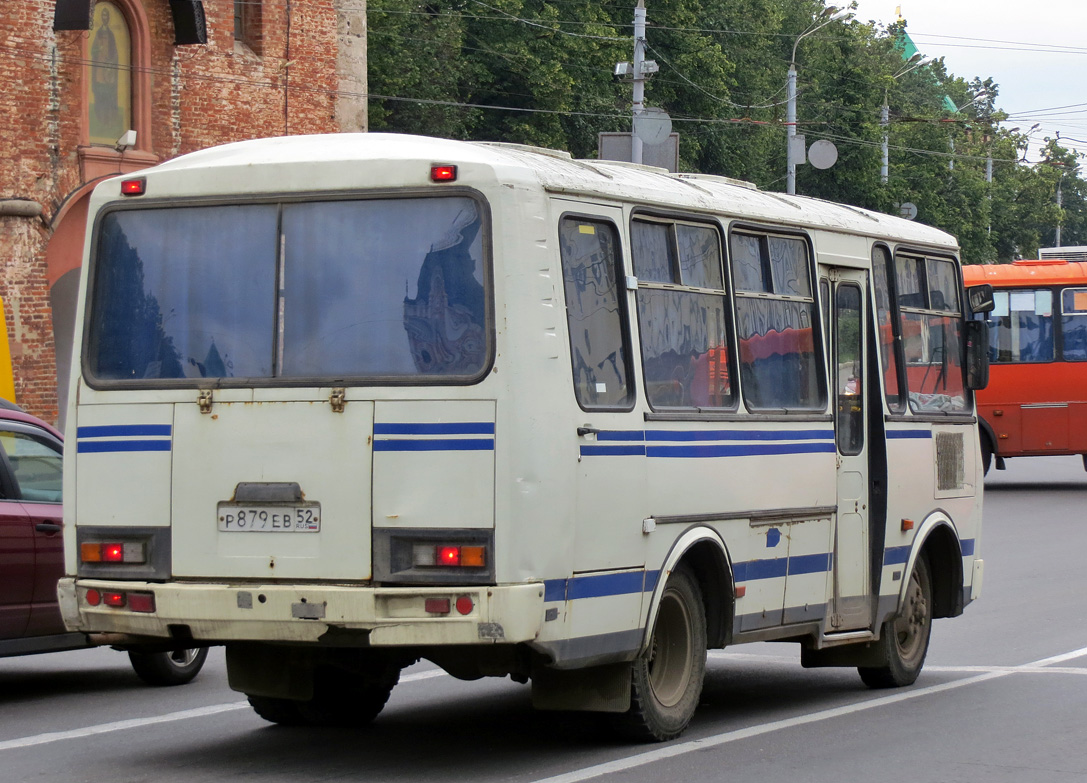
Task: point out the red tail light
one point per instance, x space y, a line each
113 552
443 173
141 602
450 555
133 187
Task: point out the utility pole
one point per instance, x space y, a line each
637 72
1058 242
639 80
884 121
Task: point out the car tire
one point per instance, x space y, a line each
166 669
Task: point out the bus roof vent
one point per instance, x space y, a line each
1040 262
560 154
740 183
1070 253
624 164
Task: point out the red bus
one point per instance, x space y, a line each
1036 400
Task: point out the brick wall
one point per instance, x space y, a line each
200 95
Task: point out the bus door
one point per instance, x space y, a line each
610 440
852 592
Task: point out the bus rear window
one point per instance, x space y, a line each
378 289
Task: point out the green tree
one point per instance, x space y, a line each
539 72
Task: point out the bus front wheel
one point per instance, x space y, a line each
903 643
666 681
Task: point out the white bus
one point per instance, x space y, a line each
343 403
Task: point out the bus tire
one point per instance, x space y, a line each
986 454
168 668
284 712
666 680
903 643
339 699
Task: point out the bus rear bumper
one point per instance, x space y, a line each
373 616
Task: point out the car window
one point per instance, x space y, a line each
36 465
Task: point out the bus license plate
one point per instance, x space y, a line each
255 518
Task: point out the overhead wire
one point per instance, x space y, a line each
549 25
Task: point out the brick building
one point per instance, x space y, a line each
79 75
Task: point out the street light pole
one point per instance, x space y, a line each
981 95
790 97
790 125
885 115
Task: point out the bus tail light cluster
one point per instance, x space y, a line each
433 556
463 604
449 555
134 601
113 552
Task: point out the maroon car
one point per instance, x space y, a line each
32 554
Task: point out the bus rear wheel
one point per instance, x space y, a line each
903 643
666 681
339 699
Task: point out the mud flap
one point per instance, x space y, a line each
595 689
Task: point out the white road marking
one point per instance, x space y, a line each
121 725
199 712
670 751
984 673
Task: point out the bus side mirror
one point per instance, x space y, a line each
977 354
980 298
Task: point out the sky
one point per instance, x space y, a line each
1036 52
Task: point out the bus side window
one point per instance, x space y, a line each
881 264
595 313
931 326
1074 324
1021 326
780 364
682 314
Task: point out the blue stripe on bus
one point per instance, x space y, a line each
706 443
753 570
809 564
613 451
683 435
899 555
896 555
100 446
902 434
603 585
721 450
123 430
436 428
443 444
638 435
600 585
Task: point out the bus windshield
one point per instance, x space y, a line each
290 291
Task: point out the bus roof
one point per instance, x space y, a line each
326 162
1045 271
